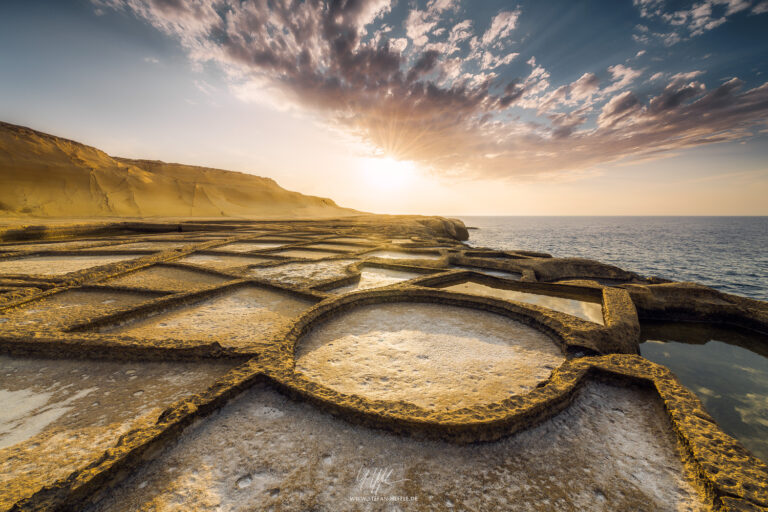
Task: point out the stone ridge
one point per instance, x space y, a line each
731 478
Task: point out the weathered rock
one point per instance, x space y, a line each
715 462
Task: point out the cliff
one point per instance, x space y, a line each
42 175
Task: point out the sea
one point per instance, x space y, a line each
729 254
725 366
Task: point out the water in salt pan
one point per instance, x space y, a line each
435 356
246 317
590 311
299 273
58 265
223 262
376 277
611 449
170 279
310 255
59 415
726 367
62 309
402 255
490 271
250 246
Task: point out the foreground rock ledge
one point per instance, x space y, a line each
87 290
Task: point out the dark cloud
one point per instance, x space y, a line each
424 64
438 98
618 108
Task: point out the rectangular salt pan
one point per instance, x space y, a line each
401 255
377 277
146 246
339 247
58 265
59 415
250 246
590 311
245 317
168 278
47 246
69 307
298 273
222 261
310 255
351 239
490 271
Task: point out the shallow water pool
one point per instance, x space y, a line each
727 368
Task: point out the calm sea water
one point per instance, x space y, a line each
726 253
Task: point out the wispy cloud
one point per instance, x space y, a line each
440 91
684 24
760 8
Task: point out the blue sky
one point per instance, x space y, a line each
439 106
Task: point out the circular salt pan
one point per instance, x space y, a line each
435 356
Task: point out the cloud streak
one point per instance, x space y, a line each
435 89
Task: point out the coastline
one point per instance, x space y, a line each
726 473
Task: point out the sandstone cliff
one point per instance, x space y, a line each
42 175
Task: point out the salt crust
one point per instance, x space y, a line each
590 311
57 415
297 273
245 317
377 277
612 449
57 265
435 356
172 279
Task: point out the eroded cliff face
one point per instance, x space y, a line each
42 175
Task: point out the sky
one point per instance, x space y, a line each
447 107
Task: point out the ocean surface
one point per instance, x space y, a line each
726 253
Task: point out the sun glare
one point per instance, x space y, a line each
388 173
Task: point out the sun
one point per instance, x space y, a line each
387 174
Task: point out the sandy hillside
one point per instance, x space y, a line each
43 175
